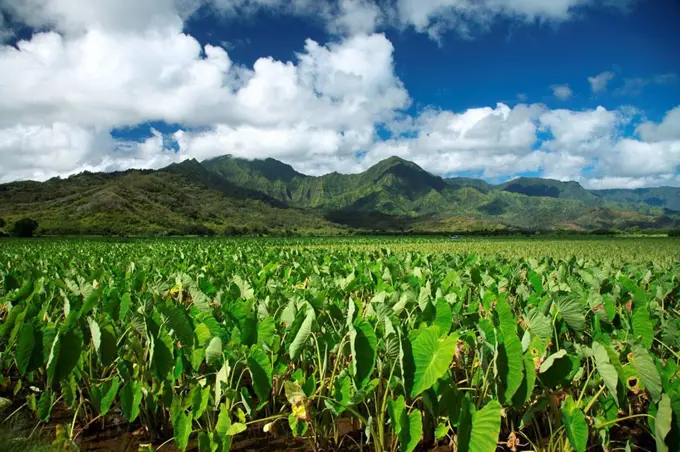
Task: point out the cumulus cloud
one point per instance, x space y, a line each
668 129
636 85
330 99
562 92
598 83
109 64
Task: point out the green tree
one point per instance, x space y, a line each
25 227
2 223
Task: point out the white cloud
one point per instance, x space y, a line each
668 129
329 100
598 83
562 92
636 85
73 16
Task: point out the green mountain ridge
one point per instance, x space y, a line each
228 193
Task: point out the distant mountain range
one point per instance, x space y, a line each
234 195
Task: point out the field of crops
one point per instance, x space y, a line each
344 344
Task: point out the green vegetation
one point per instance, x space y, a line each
352 344
234 196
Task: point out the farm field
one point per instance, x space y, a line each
372 343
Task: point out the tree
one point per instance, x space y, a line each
2 223
25 227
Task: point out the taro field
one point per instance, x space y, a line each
375 344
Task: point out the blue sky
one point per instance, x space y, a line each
585 90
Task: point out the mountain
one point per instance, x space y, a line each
550 188
229 194
182 198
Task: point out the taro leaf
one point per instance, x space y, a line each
302 333
202 334
108 351
220 378
163 359
649 375
199 401
213 350
643 328
45 406
260 368
606 369
130 398
266 331
95 334
70 345
124 306
539 325
104 394
464 430
550 360
575 424
572 312
443 317
432 357
54 348
662 424
24 347
182 430
411 429
394 410
236 428
486 426
525 391
200 300
249 331
441 431
510 362
177 321
363 343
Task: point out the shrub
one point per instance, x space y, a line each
25 227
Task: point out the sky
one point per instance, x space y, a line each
584 90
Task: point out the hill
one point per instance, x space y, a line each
229 194
183 198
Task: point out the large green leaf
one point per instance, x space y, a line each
130 398
178 322
182 430
486 426
443 317
70 345
662 423
394 410
104 394
199 401
95 334
575 424
364 345
432 356
260 368
213 350
510 359
24 347
572 312
163 359
539 325
410 430
606 370
644 364
643 328
302 334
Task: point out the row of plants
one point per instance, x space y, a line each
203 343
